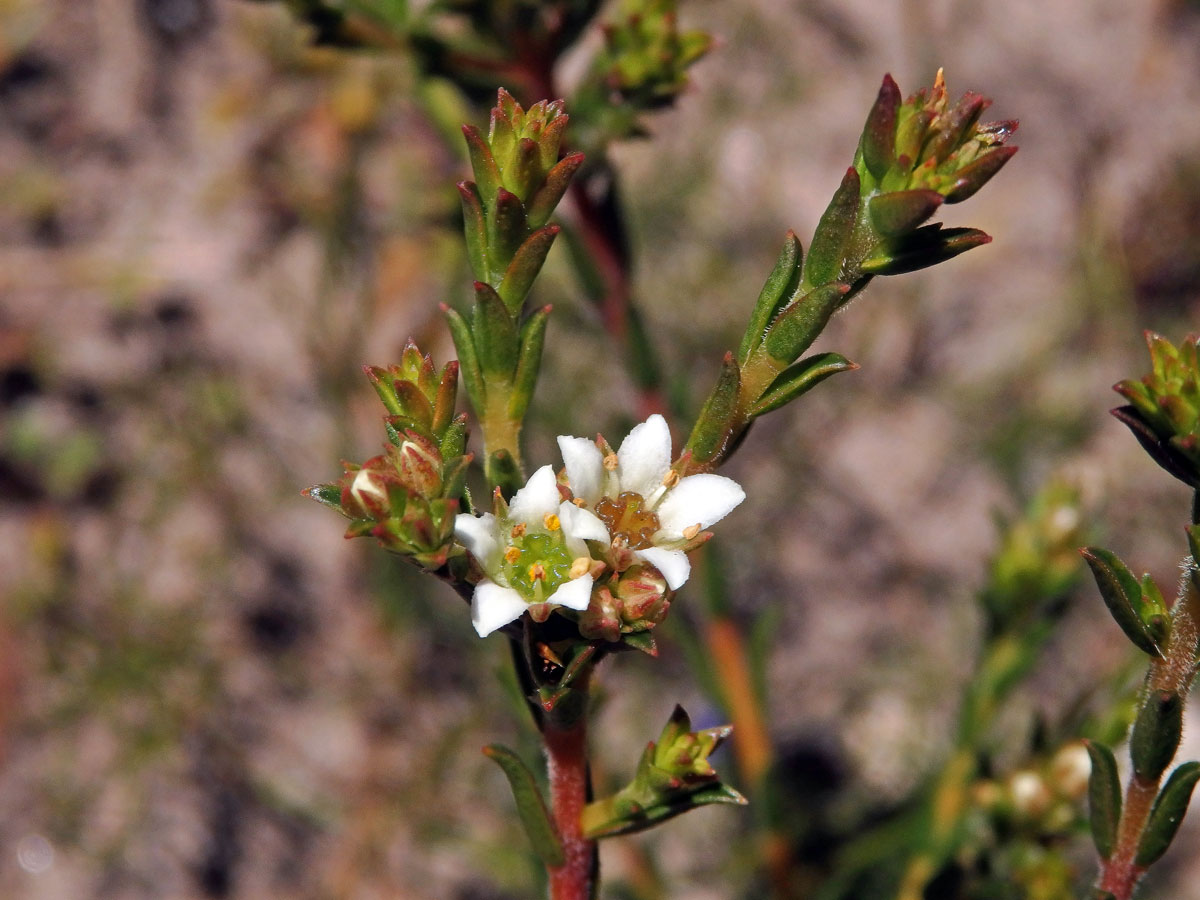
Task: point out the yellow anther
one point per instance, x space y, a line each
611 462
691 531
580 567
551 522
511 555
518 530
580 502
537 572
671 478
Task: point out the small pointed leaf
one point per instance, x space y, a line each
545 199
1169 809
529 362
710 436
1122 594
802 320
900 212
1156 734
524 268
800 378
774 294
495 334
468 362
878 142
506 232
475 229
825 256
1104 798
530 807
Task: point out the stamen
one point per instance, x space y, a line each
580 567
518 530
611 462
511 555
670 479
580 502
551 522
691 531
537 572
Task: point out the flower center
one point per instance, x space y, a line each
537 564
627 517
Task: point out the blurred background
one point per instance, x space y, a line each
207 226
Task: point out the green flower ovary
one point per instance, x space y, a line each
537 564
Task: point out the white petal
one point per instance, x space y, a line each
698 499
585 467
674 564
493 606
581 524
645 456
532 503
479 535
575 594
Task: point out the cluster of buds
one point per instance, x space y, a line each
646 56
673 775
408 496
1037 564
912 157
1043 799
1164 407
519 180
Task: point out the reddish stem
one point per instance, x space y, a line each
566 754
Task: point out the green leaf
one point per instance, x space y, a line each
978 173
827 253
460 332
1122 595
927 246
506 232
878 141
474 228
329 494
641 640
802 321
546 198
710 436
495 333
780 285
799 379
1156 734
385 387
483 164
530 807
1165 817
657 814
899 212
529 362
524 268
1104 797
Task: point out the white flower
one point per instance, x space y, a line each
534 555
644 502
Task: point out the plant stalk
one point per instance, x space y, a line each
1173 672
566 756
